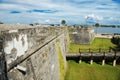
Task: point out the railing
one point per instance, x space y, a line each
100 50
95 53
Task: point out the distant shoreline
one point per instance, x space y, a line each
104 35
100 35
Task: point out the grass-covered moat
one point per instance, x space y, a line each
85 71
103 43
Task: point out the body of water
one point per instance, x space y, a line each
107 30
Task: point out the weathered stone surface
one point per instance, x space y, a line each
35 50
82 35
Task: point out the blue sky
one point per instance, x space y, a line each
53 11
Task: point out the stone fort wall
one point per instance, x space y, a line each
36 53
82 35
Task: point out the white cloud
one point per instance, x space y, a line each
114 19
47 21
94 17
71 10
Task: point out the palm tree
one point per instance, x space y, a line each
63 22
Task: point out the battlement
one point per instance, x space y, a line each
82 35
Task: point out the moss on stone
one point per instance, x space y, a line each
61 62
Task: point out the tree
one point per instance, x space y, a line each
116 40
97 25
63 22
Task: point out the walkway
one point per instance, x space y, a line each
94 54
99 56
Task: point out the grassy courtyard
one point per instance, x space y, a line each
103 43
85 71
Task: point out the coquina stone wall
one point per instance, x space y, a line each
36 53
82 35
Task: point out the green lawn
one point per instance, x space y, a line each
85 71
103 43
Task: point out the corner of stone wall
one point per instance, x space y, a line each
62 62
